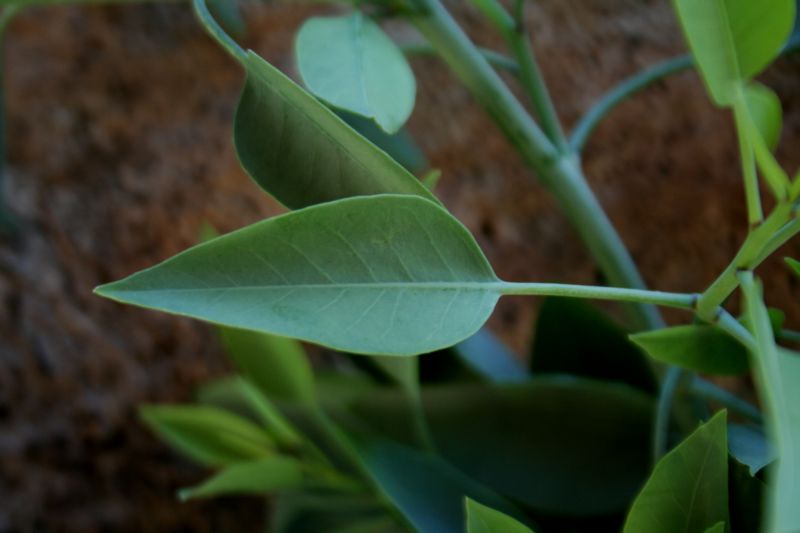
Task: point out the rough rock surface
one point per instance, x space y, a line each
119 137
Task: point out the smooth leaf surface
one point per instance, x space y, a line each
750 447
400 146
701 348
349 62
784 475
688 489
765 111
278 366
733 40
253 477
208 435
425 489
301 153
560 445
384 275
719 527
483 519
601 350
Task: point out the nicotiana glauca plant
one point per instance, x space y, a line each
370 262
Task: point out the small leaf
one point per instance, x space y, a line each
701 348
278 366
483 519
301 153
431 179
688 489
765 112
351 63
255 477
793 263
208 435
733 40
425 489
750 447
601 350
385 275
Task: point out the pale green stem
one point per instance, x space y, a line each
707 390
560 174
494 58
216 31
666 397
518 41
749 256
667 299
587 124
755 215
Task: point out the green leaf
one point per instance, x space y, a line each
765 111
601 350
733 40
426 490
208 435
719 527
482 519
301 152
793 264
688 489
558 444
312 511
701 348
278 366
750 447
387 275
253 477
351 63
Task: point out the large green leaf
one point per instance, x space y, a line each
301 152
390 275
251 477
600 350
701 348
351 63
560 445
733 40
425 489
208 435
688 489
483 519
278 366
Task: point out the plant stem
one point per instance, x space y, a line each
755 215
749 256
611 99
705 389
216 31
512 29
561 174
494 58
666 397
667 299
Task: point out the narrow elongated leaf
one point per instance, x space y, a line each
278 366
301 152
252 477
794 264
426 490
701 348
388 275
559 445
688 489
208 435
483 519
601 350
351 63
733 40
765 111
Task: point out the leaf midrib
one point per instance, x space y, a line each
428 285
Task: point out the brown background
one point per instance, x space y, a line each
119 137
